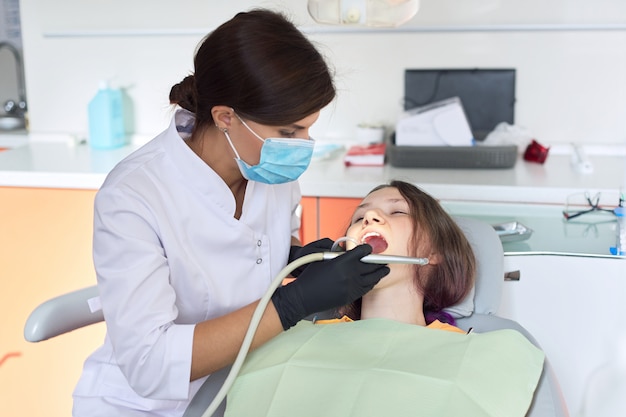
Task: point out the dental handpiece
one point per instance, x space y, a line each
382 259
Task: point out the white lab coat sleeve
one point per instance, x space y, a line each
138 301
296 214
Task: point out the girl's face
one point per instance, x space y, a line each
383 220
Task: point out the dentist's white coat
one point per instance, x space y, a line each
169 253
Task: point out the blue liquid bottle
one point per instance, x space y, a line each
106 118
620 241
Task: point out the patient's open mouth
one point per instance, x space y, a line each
376 241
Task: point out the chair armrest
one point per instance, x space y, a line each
62 314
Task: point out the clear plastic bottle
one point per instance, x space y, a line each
621 231
620 240
106 118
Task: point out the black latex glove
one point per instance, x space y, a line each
327 284
322 245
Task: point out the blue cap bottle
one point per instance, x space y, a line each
106 118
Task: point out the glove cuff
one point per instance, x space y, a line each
288 313
293 250
293 255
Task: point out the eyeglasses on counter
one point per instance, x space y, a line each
584 203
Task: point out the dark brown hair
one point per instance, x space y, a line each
447 282
262 66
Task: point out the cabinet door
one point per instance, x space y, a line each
45 248
335 215
574 307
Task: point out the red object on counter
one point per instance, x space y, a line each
535 152
366 155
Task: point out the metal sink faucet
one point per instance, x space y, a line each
13 107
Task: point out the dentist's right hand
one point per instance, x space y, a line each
327 284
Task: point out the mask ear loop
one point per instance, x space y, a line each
249 128
337 248
225 131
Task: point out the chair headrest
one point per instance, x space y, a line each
487 292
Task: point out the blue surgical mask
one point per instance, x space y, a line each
282 160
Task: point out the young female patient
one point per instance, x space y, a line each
400 219
388 354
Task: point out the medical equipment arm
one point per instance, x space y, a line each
325 285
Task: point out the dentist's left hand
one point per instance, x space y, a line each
327 284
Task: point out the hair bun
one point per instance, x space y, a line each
184 94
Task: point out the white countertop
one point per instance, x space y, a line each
58 163
526 182
61 163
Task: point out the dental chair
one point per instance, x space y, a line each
481 316
477 311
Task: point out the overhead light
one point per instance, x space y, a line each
377 13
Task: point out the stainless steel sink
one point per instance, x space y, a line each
11 123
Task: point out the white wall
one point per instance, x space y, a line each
571 84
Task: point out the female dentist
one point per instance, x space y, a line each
190 230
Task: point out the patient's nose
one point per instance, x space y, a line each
372 216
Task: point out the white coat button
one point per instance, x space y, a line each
258 261
258 243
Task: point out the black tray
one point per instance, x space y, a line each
481 157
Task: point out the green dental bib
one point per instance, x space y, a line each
385 368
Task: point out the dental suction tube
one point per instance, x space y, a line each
254 324
264 301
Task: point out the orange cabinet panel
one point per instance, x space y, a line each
325 217
334 215
45 251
